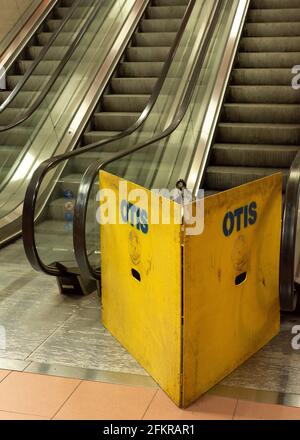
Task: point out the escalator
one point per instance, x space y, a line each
150 69
24 82
245 129
259 129
48 80
125 98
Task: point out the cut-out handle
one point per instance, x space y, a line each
240 279
136 274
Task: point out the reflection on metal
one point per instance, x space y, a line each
289 260
197 168
260 396
26 33
90 374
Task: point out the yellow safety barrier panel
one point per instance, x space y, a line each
191 308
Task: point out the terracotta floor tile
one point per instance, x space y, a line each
3 374
206 408
101 401
34 394
17 416
255 411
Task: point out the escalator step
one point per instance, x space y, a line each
274 15
124 103
172 11
43 68
270 44
136 69
261 113
22 99
90 137
276 134
154 39
222 178
282 29
160 25
262 77
114 121
274 4
252 155
133 85
264 94
148 54
268 60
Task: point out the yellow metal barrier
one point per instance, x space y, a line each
192 308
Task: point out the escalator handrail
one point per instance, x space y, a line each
29 112
87 182
39 58
288 295
28 218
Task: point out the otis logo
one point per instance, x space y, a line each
135 216
239 219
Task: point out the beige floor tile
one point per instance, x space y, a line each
3 374
101 401
35 394
255 411
206 408
4 415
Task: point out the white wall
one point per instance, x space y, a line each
10 12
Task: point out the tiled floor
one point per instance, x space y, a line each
50 334
35 397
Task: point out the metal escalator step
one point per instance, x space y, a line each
253 155
63 39
147 54
154 39
71 25
8 155
45 67
160 25
284 29
222 178
172 11
52 54
263 94
34 83
242 133
62 12
124 103
274 4
133 85
90 137
22 99
262 77
273 15
270 44
138 69
12 114
114 121
268 59
261 113
17 137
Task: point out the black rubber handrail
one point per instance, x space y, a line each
288 294
29 112
31 196
86 186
